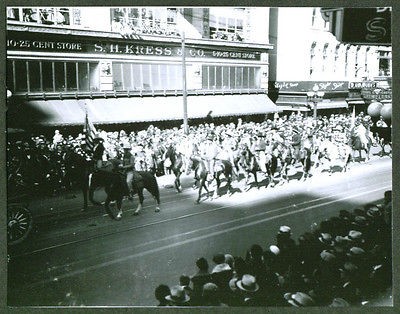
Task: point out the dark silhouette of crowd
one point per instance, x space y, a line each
344 261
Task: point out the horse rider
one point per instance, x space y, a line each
258 149
98 152
128 163
296 141
208 152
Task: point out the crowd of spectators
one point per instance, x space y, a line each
45 163
343 261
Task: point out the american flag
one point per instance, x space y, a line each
90 133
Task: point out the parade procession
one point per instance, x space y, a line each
198 157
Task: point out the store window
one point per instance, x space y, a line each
131 76
235 78
34 76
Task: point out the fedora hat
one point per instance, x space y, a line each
248 283
325 238
354 235
300 299
284 229
220 268
327 256
178 295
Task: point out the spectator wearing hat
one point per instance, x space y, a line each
201 277
287 247
184 281
178 297
160 293
250 291
211 295
255 263
221 274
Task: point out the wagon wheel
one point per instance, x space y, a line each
19 223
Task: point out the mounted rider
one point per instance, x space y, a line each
208 152
258 149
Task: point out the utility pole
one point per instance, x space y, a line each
184 92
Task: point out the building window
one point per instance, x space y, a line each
227 24
324 57
45 15
312 58
52 76
231 78
156 21
314 13
385 68
335 65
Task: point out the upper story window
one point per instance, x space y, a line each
385 63
227 25
45 15
150 20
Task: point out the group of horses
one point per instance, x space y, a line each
275 167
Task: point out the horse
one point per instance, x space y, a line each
174 160
116 188
339 154
250 165
360 141
201 173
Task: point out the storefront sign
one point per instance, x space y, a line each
126 48
376 94
360 85
305 86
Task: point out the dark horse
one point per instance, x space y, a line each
200 174
383 137
116 188
250 165
176 163
292 155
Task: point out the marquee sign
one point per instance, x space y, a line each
119 47
305 86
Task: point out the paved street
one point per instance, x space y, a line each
88 259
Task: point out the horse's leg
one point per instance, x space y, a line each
202 184
119 206
178 181
140 204
107 208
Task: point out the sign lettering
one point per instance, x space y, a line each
125 48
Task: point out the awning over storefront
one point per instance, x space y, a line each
140 109
332 104
306 106
355 101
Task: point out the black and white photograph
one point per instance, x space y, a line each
194 156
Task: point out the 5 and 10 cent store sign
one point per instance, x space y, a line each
124 48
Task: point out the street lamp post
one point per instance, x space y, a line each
315 96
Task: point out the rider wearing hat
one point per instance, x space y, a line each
98 152
128 163
258 149
209 151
